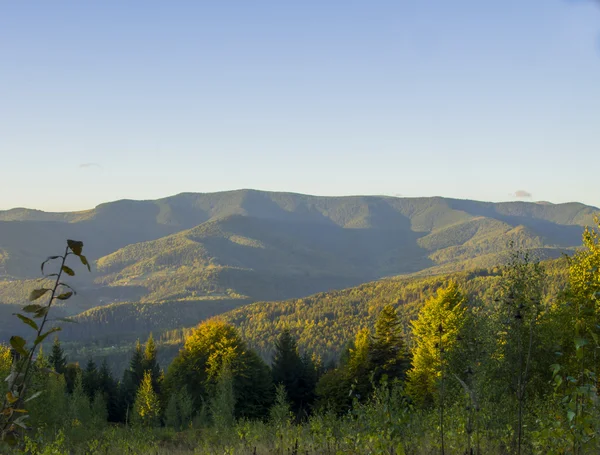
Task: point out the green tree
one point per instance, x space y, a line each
222 405
57 359
136 365
109 388
80 413
438 329
387 354
521 358
199 363
150 362
91 379
146 409
296 373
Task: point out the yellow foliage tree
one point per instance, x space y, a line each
435 331
147 405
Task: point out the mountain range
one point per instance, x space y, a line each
209 253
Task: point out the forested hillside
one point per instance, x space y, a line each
250 245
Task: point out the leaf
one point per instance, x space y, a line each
85 262
75 246
18 345
11 398
32 308
30 322
65 296
34 396
41 312
49 258
570 415
68 270
37 293
41 338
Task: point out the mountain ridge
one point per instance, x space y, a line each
248 245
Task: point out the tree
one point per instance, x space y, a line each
297 374
91 379
150 362
437 330
387 353
522 356
109 389
199 363
146 408
132 378
136 365
222 406
57 359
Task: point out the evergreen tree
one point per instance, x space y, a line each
136 366
57 359
446 311
80 412
109 388
294 373
150 363
146 409
387 353
91 379
128 388
99 410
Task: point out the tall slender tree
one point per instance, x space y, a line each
387 354
57 359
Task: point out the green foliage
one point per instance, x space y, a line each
440 325
296 373
146 409
211 346
387 353
57 358
14 412
222 405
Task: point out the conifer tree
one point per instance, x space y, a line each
446 311
91 379
150 362
147 406
297 374
57 359
136 365
387 353
109 388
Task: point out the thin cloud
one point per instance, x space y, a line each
522 194
90 165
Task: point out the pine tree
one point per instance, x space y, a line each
150 363
387 353
146 409
57 359
446 311
136 365
297 374
109 388
91 379
80 412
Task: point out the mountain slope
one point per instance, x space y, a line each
257 245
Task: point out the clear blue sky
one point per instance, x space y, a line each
143 99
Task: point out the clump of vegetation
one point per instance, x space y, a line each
14 409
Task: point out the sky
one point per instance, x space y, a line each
473 99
